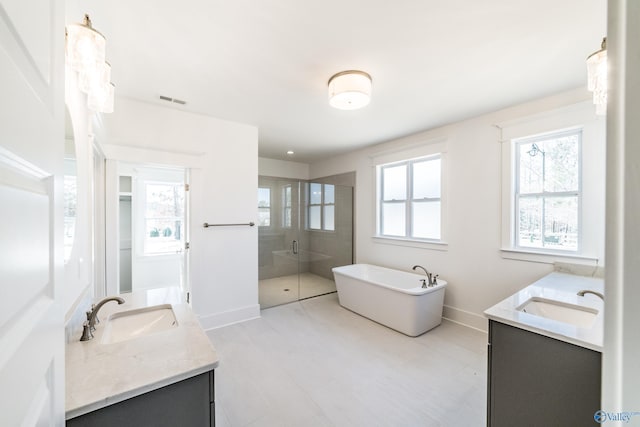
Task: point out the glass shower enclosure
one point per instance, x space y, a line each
305 229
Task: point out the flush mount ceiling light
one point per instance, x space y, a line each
350 90
85 53
597 77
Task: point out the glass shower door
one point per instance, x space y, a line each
305 229
326 236
277 241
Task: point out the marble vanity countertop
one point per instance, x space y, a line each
559 287
99 375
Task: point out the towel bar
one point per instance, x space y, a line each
207 225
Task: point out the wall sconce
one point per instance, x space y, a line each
350 90
597 77
85 54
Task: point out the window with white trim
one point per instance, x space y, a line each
409 198
163 217
547 195
70 204
264 207
321 206
286 206
571 227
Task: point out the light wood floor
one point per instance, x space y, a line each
314 363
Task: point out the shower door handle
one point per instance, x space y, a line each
294 247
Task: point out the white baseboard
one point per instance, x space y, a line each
466 318
218 320
226 318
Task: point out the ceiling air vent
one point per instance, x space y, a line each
168 99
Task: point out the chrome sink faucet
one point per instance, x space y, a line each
587 291
431 278
92 317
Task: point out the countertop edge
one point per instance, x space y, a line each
565 285
129 394
546 333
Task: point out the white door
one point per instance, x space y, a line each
185 278
158 218
31 214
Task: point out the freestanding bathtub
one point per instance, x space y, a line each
393 298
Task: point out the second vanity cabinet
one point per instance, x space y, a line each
189 402
536 380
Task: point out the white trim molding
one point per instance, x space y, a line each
436 245
466 318
580 115
226 318
620 368
548 257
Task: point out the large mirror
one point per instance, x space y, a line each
70 187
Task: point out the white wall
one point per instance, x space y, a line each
472 262
282 168
223 157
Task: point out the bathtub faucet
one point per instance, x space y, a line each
431 278
423 269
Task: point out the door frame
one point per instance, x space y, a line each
146 158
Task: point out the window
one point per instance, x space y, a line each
321 207
264 207
558 217
70 204
286 206
409 202
547 192
163 217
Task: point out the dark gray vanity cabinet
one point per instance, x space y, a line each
188 402
535 380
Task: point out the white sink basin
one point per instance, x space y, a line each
126 325
575 315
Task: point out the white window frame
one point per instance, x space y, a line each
517 196
322 205
270 207
70 183
144 183
400 153
592 182
287 206
409 200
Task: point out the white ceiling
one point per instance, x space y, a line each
267 62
